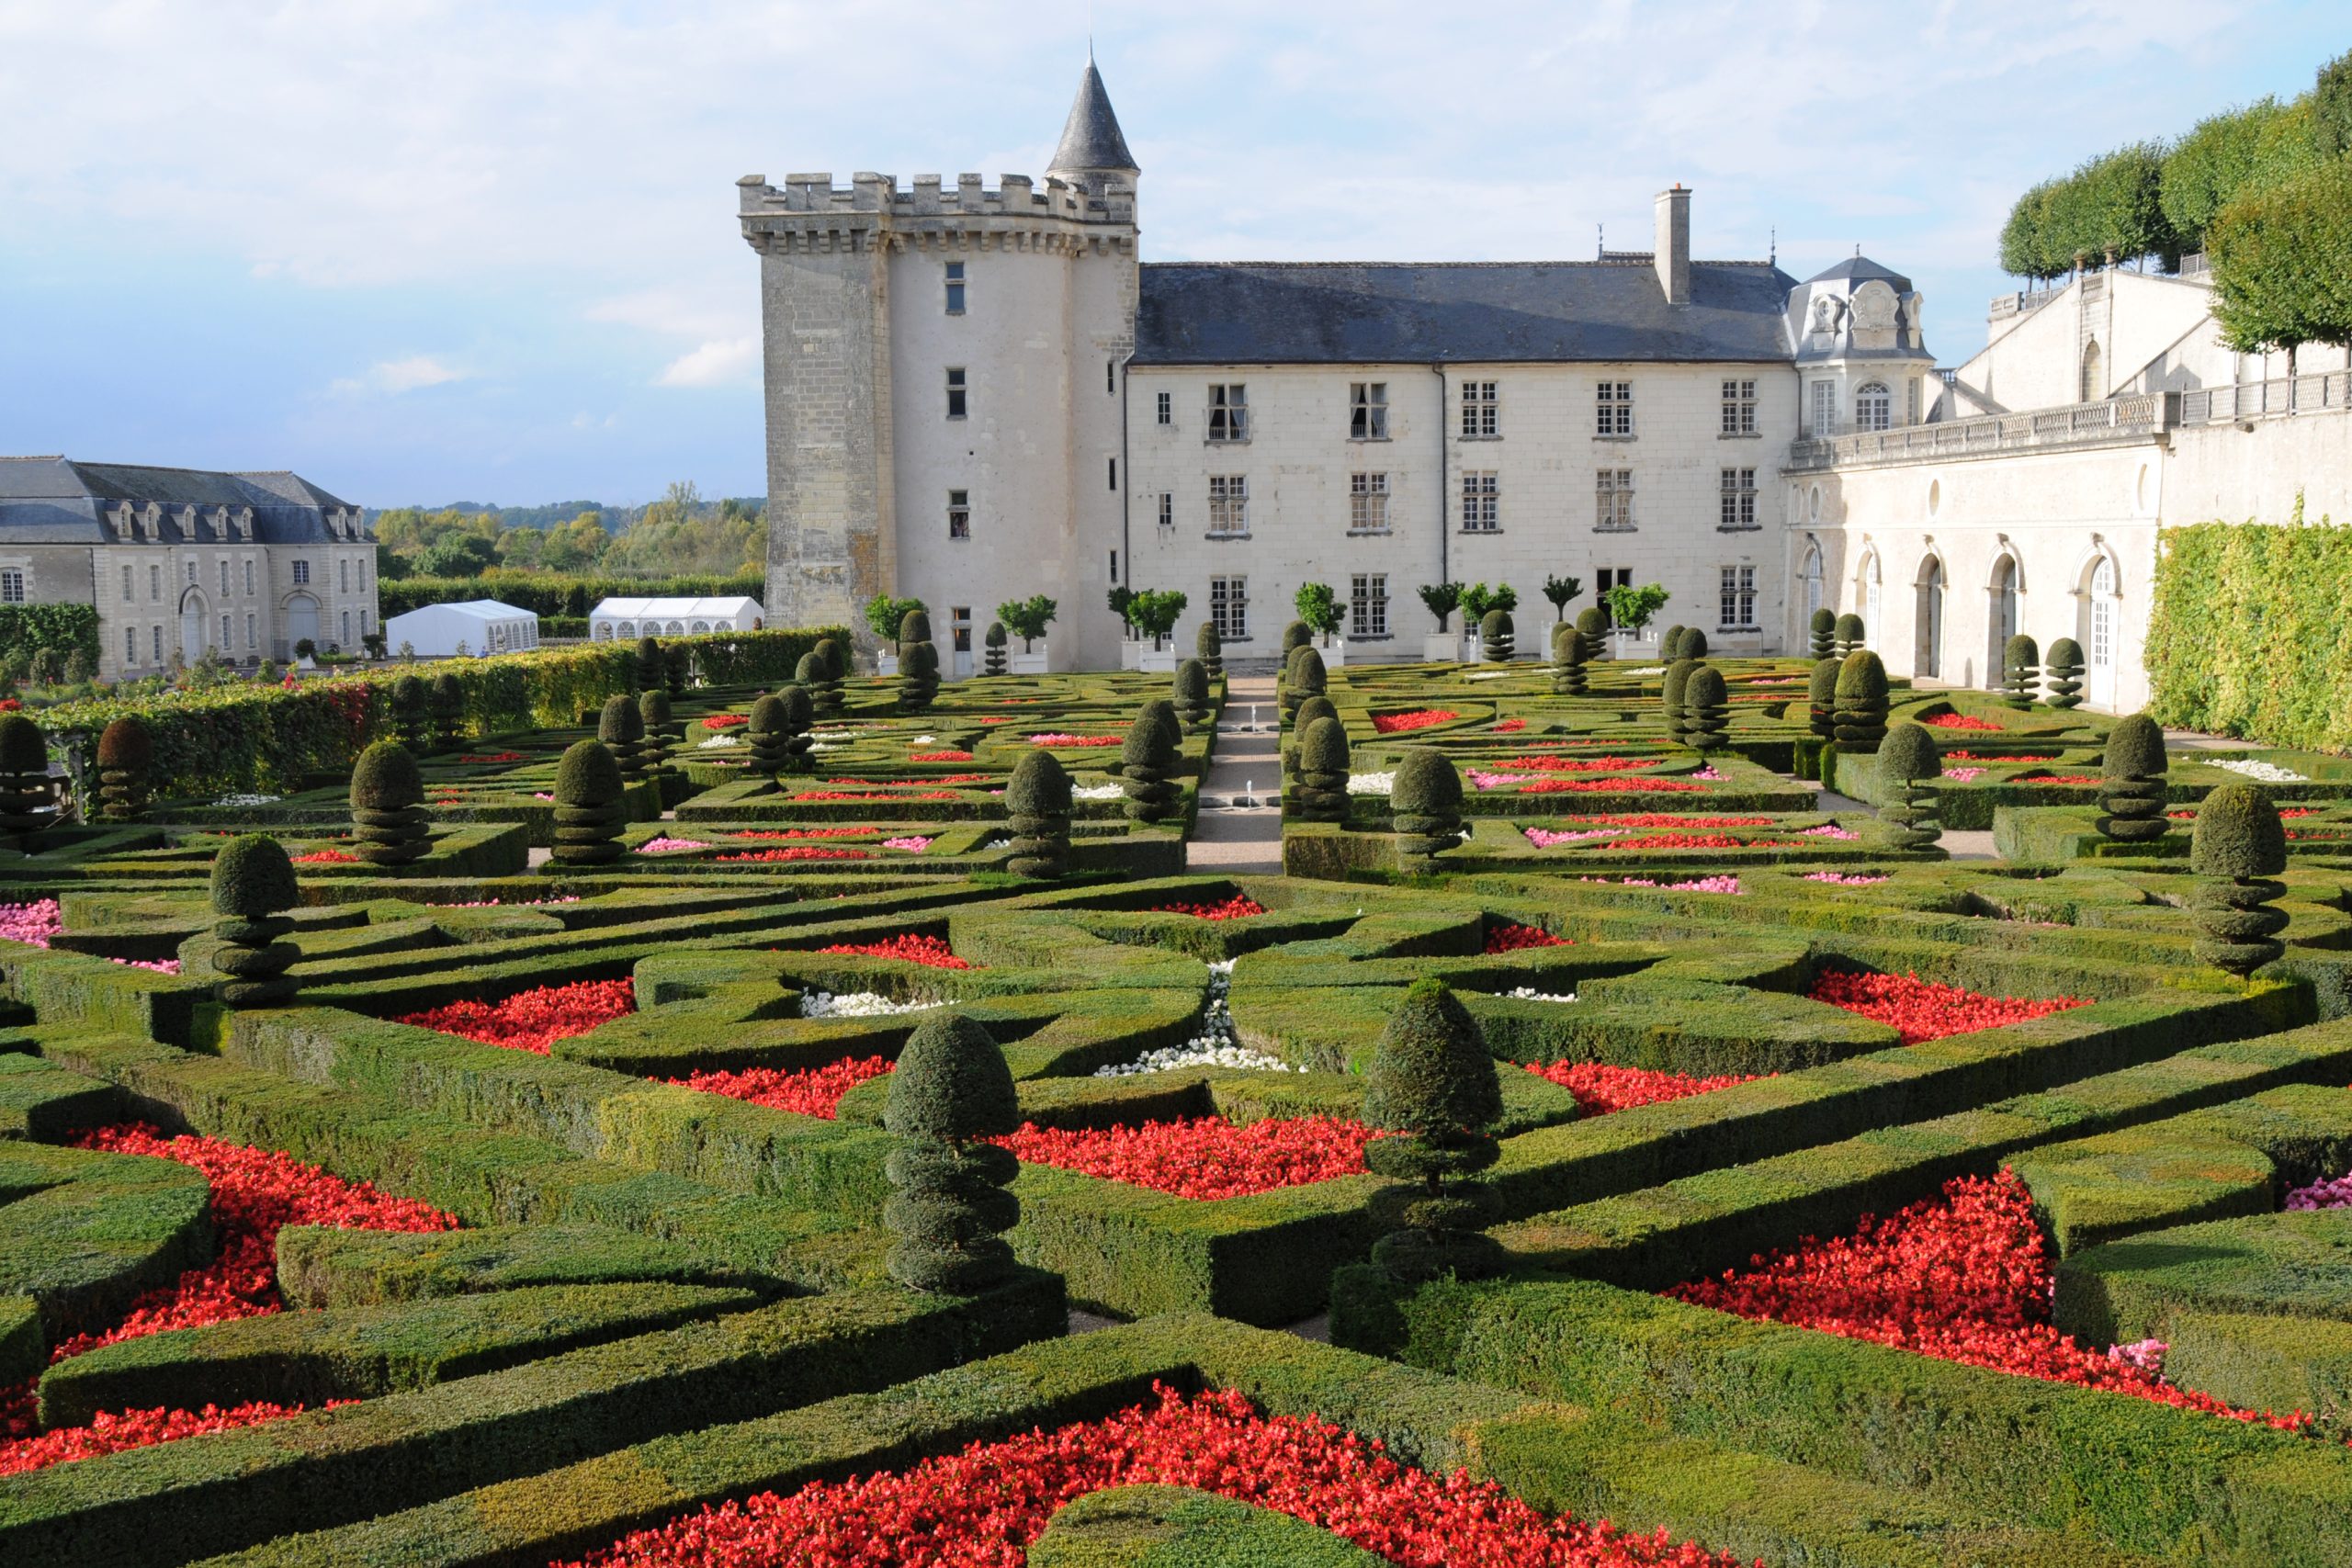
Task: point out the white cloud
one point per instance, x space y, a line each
393 377
721 362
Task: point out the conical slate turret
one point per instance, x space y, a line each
1092 141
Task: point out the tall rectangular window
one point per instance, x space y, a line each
1612 500
249 576
346 631
1612 408
959 514
12 585
1739 407
130 582
1738 499
1368 410
1167 509
1113 472
252 634
1229 411
1228 503
1738 599
224 574
955 394
1165 403
130 645
155 636
1481 414
1368 605
1229 607
155 583
1367 503
225 644
1911 402
1606 578
342 577
1824 422
1481 501
302 571
955 288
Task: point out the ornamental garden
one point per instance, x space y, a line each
689 1104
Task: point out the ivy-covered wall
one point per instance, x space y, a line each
2251 632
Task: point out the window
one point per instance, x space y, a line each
1825 411
1229 607
955 394
1167 509
1738 606
1911 402
130 645
1481 493
1613 408
346 630
1166 403
1367 503
1113 472
1110 376
960 617
955 288
959 514
249 575
342 577
1480 416
1606 578
1229 413
1738 499
1114 566
302 571
1739 407
224 574
155 635
1872 406
191 574
1368 605
1229 503
252 634
130 582
1612 500
1368 410
12 585
225 644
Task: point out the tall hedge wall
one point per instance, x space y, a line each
68 628
548 593
2247 636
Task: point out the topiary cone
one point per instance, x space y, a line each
1908 759
1670 647
411 708
24 777
1706 709
1210 648
832 667
448 704
621 727
1431 1081
253 886
992 649
1296 635
1147 759
125 756
1191 688
1568 661
950 1209
387 811
1592 626
918 676
1308 712
653 717
1425 801
650 676
1849 635
1307 679
1670 691
2021 670
1862 704
1037 809
1322 793
2237 847
2132 782
588 814
2062 674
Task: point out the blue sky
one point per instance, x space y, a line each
430 250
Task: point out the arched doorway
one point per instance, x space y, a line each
2001 617
2094 373
301 621
194 634
1927 639
2100 614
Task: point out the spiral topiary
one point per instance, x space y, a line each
589 813
1592 626
24 777
992 649
918 676
1322 792
1849 635
1568 661
677 667
1907 759
1296 635
253 886
622 729
2237 847
949 1206
1426 800
1308 712
1496 637
1209 648
1670 692
1432 1080
1823 634
1862 703
654 718
1706 710
411 710
1670 647
2132 782
650 674
1037 809
2063 675
1148 761
387 812
1821 697
1191 688
2021 670
914 626
832 665
448 704
126 756
1307 679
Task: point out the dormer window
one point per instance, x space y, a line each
1873 407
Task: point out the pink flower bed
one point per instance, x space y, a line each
1829 830
2335 1194
1055 738
796 853
666 845
1618 785
1546 838
1205 1156
911 843
1725 884
1845 879
1961 775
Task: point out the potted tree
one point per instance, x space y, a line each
883 615
1441 645
1155 613
1319 606
1561 591
1027 619
1123 604
1631 609
1477 600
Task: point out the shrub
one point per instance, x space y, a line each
1495 638
1307 679
950 1208
1909 760
589 814
1823 633
1671 693
1862 703
2132 781
1431 1080
1440 599
622 729
24 775
1559 591
1849 635
2021 670
1568 661
656 717
1821 696
126 753
833 668
650 663
1209 649
1592 630
2237 847
1296 635
387 811
1670 647
1037 807
1706 709
1426 798
1027 618
2063 675
448 704
1191 688
887 617
778 732
918 676
412 709
1308 712
992 661
1147 759
1319 606
253 886
1323 765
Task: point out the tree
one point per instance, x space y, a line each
2063 672
387 812
253 886
1862 704
2237 847
1026 618
1431 1081
992 644
2332 108
457 555
2282 263
1560 591
1319 606
949 1207
2228 154
884 613
1478 598
411 711
1822 634
1440 599
1633 607
2027 250
1122 600
2021 670
1155 611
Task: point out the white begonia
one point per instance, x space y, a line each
716 741
1497 674
1650 669
2266 772
1530 994
1215 1047
248 800
858 1004
1372 784
925 741
1096 792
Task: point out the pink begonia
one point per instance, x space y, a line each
1544 838
1480 779
2148 1355
1844 879
541 794
1829 830
2335 1194
1700 885
667 845
914 845
1962 775
501 903
1710 773
36 923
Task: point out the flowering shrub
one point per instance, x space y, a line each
1403 723
1963 1277
796 852
1921 1009
939 756
1204 1157
1962 775
111 1432
1829 830
1055 738
1957 721
810 1092
1601 1088
666 845
534 1019
931 952
726 720
1241 907
1509 936
325 857
1845 878
34 924
2335 1194
982 1508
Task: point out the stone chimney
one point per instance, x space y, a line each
1674 244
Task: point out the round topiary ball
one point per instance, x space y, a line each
952 1084
1821 696
914 626
126 745
2132 782
1498 637
1592 625
1909 753
1426 784
653 712
588 775
386 778
1298 634
2135 750
1706 709
810 671
1862 703
1694 643
1039 785
23 748
2237 834
1670 647
253 878
1850 631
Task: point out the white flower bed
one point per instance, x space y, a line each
821 746
716 741
248 800
1495 674
2266 772
1530 994
1096 792
1370 784
1215 1047
857 1004
1653 669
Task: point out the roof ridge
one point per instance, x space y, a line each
1635 259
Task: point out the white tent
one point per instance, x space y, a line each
623 619
484 626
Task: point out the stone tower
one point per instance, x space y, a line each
948 361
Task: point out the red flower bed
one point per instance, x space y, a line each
1957 721
931 952
1511 726
1972 757
875 795
939 756
811 1092
495 757
325 857
726 720
1602 1088
111 1432
2058 779
1612 787
1241 907
1532 764
1963 1277
982 1508
1204 1157
764 834
798 851
1055 738
1400 723
1509 936
534 1019
1694 842
1921 1009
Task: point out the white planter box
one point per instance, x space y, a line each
1156 661
1131 652
1028 663
886 664
1335 653
1440 648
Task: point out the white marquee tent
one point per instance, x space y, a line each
615 619
484 626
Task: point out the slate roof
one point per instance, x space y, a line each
59 501
1468 312
1091 137
1861 269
